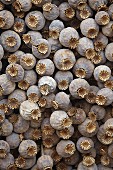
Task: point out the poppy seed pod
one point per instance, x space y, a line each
62 165
69 37
15 57
104 97
29 110
98 4
64 59
85 13
110 150
7 2
41 49
59 120
19 26
27 148
33 134
35 20
79 88
2 116
110 11
1 52
46 85
6 128
33 93
108 127
45 162
55 45
40 3
102 18
4 149
101 167
91 96
10 41
13 140
6 19
22 5
65 148
7 161
99 111
85 47
89 28
46 127
46 100
81 165
65 133
109 52
79 4
66 12
73 159
107 30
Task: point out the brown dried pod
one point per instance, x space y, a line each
50 140
91 96
65 133
46 127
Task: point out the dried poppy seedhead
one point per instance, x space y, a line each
54 33
54 104
4 107
66 64
61 166
92 116
102 7
33 97
20 162
2 22
36 134
48 130
85 145
90 53
105 19
91 127
42 102
84 14
1 91
3 153
1 118
64 133
1 6
105 160
18 27
26 38
96 59
41 68
82 92
17 6
12 58
48 142
11 41
88 161
72 111
12 71
81 5
44 89
13 103
104 75
20 14
42 48
90 97
73 42
92 33
57 158
80 72
109 84
100 100
31 151
36 2
47 7
69 13
67 122
70 149
36 114
32 21
106 140
12 167
23 84
109 130
99 46
63 84
13 118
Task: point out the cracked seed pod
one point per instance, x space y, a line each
91 96
20 125
6 162
28 61
63 79
40 3
22 5
107 30
65 148
16 98
35 20
46 127
55 28
64 59
10 40
6 19
88 128
65 133
108 127
6 128
66 12
79 88
27 149
83 68
15 72
99 58
79 4
19 26
50 11
33 134
85 47
109 52
45 67
30 110
98 5
102 18
69 37
102 73
100 42
89 28
84 145
62 165
110 11
31 37
101 167
41 49
33 93
6 86
73 159
4 149
15 57
13 140
99 111
60 120
104 97
46 101
55 45
45 162
46 85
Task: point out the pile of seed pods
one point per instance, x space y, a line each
56 84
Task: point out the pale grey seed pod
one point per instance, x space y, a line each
35 167
107 30
98 5
20 125
109 52
100 42
30 110
22 5
99 112
6 128
46 85
88 128
31 37
46 100
65 148
41 49
69 37
6 86
73 159
65 133
89 28
66 11
59 120
55 28
79 4
13 140
35 20
101 167
15 57
110 150
16 98
81 166
27 148
55 44
91 96
99 58
6 19
84 145
110 11
7 2
33 93
4 149
6 162
83 68
63 79
102 73
28 61
108 127
30 78
33 134
50 11
25 163
45 162
104 97
79 88
64 59
40 3
102 18
10 40
46 127
85 47
19 26
1 52
45 67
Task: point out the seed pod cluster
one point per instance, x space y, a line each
56 84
